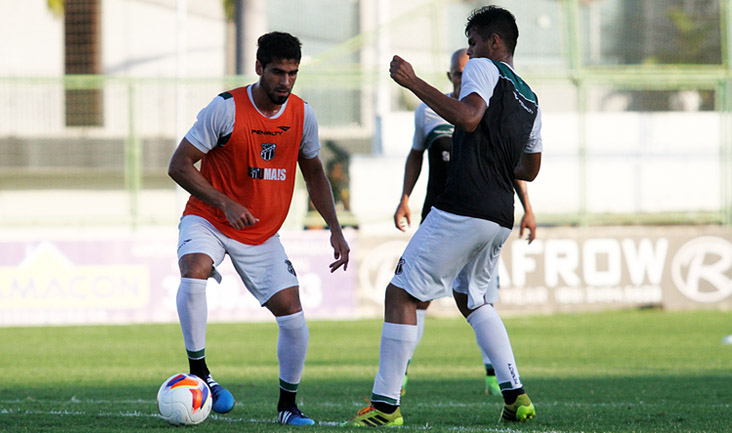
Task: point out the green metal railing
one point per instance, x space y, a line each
716 78
659 77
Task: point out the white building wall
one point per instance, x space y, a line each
141 38
32 39
636 162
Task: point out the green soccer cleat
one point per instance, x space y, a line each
491 386
521 410
372 417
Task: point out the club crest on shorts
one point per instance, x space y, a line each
398 270
290 268
268 151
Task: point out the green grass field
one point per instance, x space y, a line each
634 371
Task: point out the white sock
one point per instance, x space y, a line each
420 331
486 358
397 343
193 313
491 335
292 346
421 314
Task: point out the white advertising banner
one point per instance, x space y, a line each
132 276
587 269
110 276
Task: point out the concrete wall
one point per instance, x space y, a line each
138 39
636 163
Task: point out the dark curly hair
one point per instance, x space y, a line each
493 19
278 46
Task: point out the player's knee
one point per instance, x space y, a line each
287 310
197 266
461 300
285 302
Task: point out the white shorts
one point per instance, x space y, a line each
264 269
449 247
491 293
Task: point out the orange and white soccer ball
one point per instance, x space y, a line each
184 399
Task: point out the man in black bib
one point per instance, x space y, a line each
497 139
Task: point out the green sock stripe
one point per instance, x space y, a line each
291 387
384 399
198 354
505 385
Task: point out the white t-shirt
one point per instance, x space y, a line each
216 120
426 122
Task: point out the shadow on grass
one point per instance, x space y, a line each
624 404
617 404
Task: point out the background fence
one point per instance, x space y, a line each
95 95
636 100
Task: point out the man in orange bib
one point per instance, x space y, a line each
249 141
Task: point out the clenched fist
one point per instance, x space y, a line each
402 72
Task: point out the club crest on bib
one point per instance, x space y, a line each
268 151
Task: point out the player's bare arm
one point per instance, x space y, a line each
412 169
528 166
528 222
321 195
465 114
183 171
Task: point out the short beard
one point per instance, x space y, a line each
277 101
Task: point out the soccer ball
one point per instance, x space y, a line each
184 399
